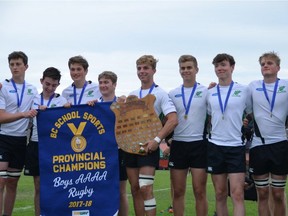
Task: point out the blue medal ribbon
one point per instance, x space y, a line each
19 100
81 95
150 90
226 100
187 108
273 96
114 99
49 101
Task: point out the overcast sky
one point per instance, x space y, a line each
111 35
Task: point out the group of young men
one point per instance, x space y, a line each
206 124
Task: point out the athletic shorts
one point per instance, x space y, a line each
188 154
122 166
137 161
31 167
269 158
225 159
12 150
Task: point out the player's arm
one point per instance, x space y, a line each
6 117
169 126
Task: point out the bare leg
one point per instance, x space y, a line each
221 193
178 178
37 195
124 207
199 181
10 195
138 202
237 181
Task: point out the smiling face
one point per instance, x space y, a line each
145 73
223 70
188 71
107 87
49 86
77 73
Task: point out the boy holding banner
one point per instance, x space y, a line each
107 85
47 99
16 97
81 91
140 168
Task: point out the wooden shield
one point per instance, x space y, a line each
136 123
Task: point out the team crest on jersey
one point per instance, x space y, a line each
29 92
281 89
90 93
198 94
236 93
136 123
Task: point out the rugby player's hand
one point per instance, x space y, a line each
151 146
42 107
67 105
92 103
30 114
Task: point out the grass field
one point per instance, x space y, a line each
24 201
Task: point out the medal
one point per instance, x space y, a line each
187 108
226 100
19 100
273 96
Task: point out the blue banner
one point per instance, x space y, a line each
78 156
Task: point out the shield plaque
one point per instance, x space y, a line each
136 123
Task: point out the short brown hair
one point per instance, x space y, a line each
185 58
108 75
78 60
222 57
18 55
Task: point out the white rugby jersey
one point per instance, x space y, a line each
271 129
163 104
91 92
192 128
8 102
226 129
57 101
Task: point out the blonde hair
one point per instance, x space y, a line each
147 59
271 55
